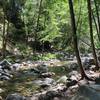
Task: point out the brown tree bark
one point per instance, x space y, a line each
83 74
98 18
91 34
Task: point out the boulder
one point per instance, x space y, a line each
86 92
42 68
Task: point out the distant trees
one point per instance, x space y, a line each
48 20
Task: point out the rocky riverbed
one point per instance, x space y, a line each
40 80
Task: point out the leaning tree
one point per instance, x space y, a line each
75 43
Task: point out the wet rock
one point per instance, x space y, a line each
15 97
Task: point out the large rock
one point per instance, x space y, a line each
44 82
86 92
43 68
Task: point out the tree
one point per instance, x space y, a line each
91 34
73 24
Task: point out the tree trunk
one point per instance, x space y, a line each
3 38
97 13
75 39
91 34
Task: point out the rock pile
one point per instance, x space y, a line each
5 70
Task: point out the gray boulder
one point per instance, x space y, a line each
87 92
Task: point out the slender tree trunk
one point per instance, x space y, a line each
3 38
98 18
75 39
91 34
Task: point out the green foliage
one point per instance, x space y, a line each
53 21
